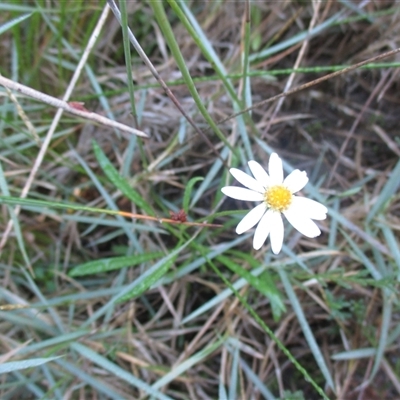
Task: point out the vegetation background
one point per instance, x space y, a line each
98 304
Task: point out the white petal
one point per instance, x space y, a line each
311 208
242 194
259 173
246 180
251 218
296 180
276 232
262 231
302 223
275 169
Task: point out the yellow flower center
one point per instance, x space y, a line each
278 198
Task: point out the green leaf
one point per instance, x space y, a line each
111 264
233 253
188 192
148 281
118 181
351 192
274 295
264 284
237 269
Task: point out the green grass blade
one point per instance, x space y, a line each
263 284
12 366
233 383
354 354
61 341
104 193
188 192
118 181
212 173
263 54
98 313
319 358
117 371
387 192
165 26
148 281
8 25
88 379
393 245
261 386
184 13
128 58
53 204
185 365
111 264
267 329
384 332
363 258
17 227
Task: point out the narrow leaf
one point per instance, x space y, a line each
387 192
308 334
112 264
188 192
8 25
148 281
264 284
118 181
23 364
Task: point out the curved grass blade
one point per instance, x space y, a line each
188 192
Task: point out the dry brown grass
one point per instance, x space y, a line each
343 132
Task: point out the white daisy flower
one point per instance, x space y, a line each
276 196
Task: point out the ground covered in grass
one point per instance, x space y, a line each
122 274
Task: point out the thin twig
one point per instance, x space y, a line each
166 220
71 108
23 116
